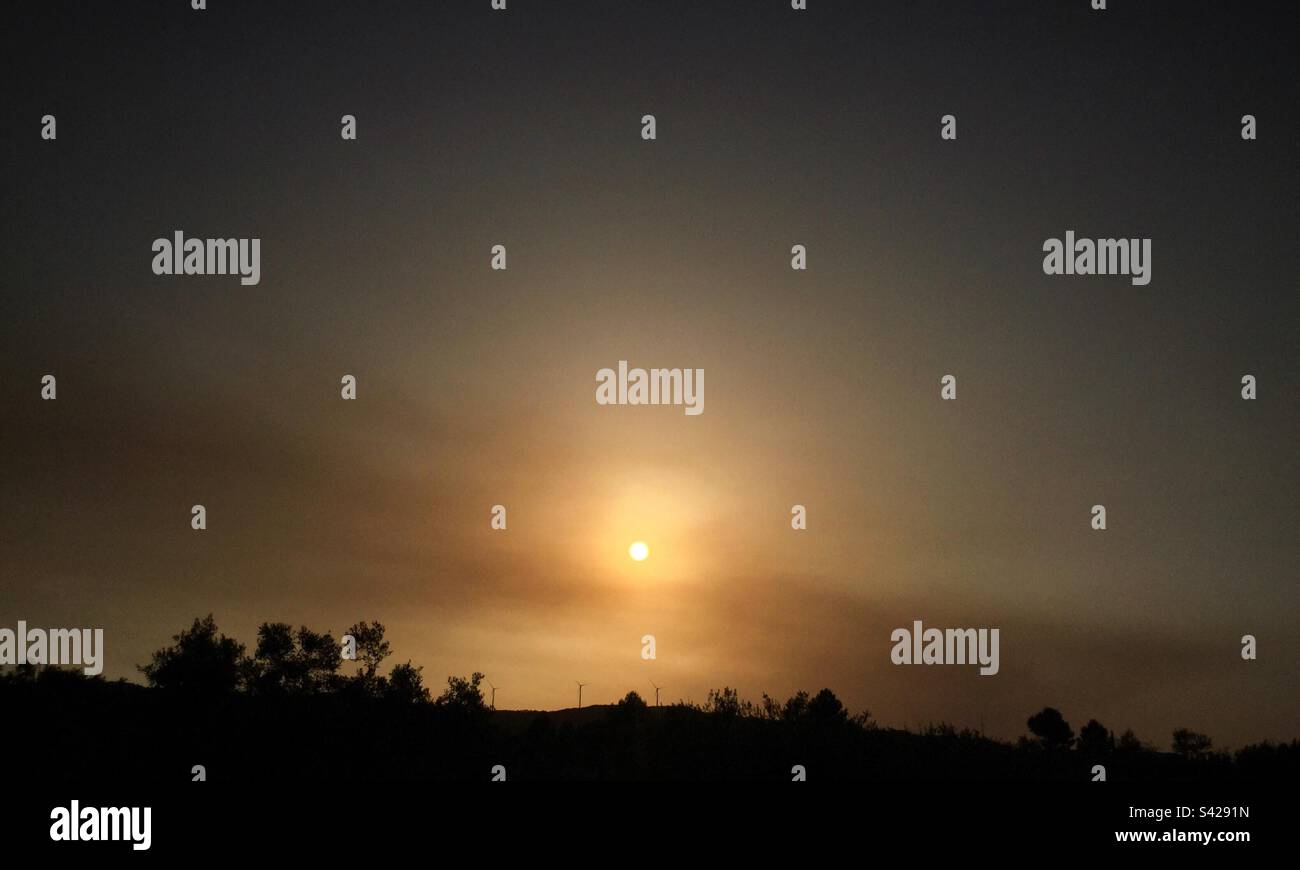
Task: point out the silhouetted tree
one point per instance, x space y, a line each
372 649
724 702
321 658
864 721
24 673
200 661
826 709
823 708
284 663
463 695
1095 740
1128 742
630 709
632 701
796 707
1268 760
405 685
271 670
1190 744
1050 726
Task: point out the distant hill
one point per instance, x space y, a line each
519 721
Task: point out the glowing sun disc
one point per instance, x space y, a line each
638 551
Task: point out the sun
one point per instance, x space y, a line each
638 551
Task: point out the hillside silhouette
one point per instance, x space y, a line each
288 710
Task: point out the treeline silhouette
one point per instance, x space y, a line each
287 711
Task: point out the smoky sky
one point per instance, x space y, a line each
475 387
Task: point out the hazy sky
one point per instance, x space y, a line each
476 387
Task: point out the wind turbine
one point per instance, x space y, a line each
580 685
657 688
494 694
